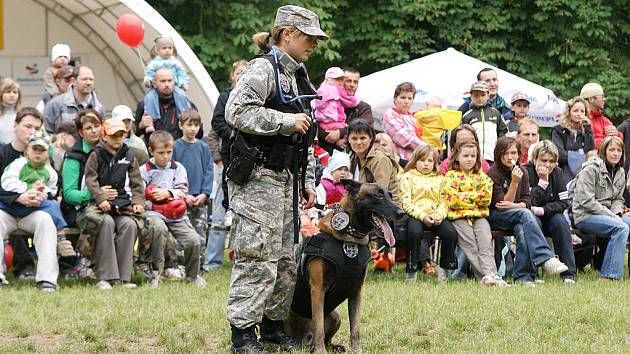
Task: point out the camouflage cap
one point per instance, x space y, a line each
304 20
39 138
479 86
520 96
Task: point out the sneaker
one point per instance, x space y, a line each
173 274
47 287
64 249
103 285
568 281
129 285
200 282
529 284
442 274
3 281
411 277
84 269
155 282
428 269
145 270
500 282
554 266
489 280
27 276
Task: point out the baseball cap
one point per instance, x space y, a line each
122 112
520 96
39 138
65 72
304 20
60 50
479 86
113 126
334 73
591 89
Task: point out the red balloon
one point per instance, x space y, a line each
130 30
8 256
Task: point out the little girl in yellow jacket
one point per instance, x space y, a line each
468 194
421 196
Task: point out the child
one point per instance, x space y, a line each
549 201
165 58
432 123
136 145
60 57
329 110
486 120
64 139
510 212
10 99
520 108
468 193
113 179
196 157
422 197
460 133
34 172
330 190
166 191
399 123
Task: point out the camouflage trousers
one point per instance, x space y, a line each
264 272
199 219
89 221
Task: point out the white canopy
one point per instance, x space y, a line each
449 74
32 27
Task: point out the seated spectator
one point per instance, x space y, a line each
330 190
10 99
63 140
598 205
79 96
460 133
422 198
527 137
113 180
520 108
549 201
399 123
384 140
602 127
485 119
573 137
489 77
509 211
166 191
136 145
468 192
33 171
39 223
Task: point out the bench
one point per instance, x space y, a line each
70 231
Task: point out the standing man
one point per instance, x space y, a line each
593 93
270 109
362 111
170 108
80 95
489 76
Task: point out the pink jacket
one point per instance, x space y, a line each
329 110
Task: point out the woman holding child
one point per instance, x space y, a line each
399 123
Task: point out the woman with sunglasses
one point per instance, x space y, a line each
270 110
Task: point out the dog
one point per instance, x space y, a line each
332 266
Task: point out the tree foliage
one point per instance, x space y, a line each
560 44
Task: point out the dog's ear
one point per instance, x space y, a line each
350 185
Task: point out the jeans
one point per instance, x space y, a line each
556 227
216 237
616 230
531 247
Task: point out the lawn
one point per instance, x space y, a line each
397 318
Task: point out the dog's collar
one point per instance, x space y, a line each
340 221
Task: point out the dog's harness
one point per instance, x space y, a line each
349 259
340 220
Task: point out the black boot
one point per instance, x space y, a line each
273 332
245 341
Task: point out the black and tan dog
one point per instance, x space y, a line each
333 264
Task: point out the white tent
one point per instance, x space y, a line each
449 74
31 27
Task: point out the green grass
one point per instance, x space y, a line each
397 318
